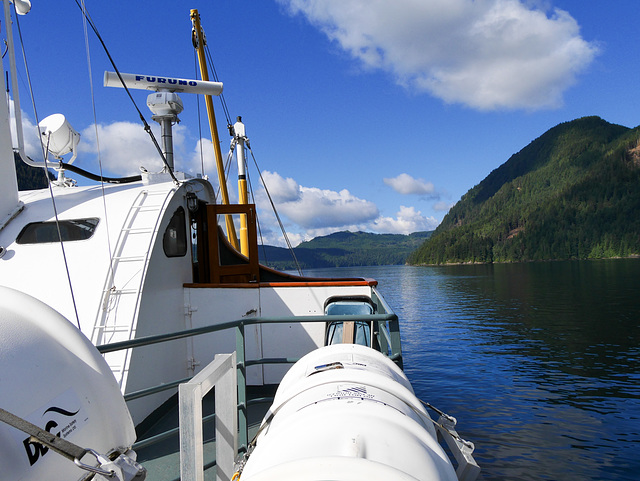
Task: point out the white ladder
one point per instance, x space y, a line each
116 319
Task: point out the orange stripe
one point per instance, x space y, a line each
253 285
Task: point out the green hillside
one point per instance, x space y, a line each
573 193
30 178
344 249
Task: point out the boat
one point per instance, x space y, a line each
125 306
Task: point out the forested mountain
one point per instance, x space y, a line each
343 249
30 178
573 193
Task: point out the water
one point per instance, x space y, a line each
540 362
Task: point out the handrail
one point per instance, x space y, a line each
219 374
158 338
388 342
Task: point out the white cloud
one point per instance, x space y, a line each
405 184
407 220
313 210
490 54
124 147
310 212
281 189
318 208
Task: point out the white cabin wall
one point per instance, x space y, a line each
162 311
217 305
39 269
296 301
211 306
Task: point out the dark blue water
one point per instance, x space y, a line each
540 362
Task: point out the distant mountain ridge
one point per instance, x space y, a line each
344 249
573 193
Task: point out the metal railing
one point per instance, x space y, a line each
386 332
218 374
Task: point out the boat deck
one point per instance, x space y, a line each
162 458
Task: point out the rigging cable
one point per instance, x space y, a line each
223 102
275 211
228 161
264 249
216 79
44 155
95 126
195 67
147 127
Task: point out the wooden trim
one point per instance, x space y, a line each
348 332
248 269
213 244
253 285
322 283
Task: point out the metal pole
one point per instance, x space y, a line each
240 136
204 73
167 141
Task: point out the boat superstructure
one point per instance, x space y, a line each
141 268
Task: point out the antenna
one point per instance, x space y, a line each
164 102
159 84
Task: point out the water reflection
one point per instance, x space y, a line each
539 362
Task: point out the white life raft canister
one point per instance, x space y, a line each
53 377
346 412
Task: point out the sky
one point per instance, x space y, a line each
363 115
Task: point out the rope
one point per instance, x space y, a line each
46 170
147 128
64 253
128 469
31 96
275 211
195 67
216 79
95 126
264 250
452 420
61 446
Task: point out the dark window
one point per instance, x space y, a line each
70 230
174 241
359 331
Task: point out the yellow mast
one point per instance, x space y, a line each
204 73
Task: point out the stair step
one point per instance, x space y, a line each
138 230
129 258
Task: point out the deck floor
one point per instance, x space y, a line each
162 460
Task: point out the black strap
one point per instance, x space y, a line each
61 446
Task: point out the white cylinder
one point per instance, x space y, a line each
60 137
52 376
347 412
154 82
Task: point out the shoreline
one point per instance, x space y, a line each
472 263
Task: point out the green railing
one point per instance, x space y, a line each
386 332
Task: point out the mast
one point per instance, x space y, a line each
240 138
10 204
204 73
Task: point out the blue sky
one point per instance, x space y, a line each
363 114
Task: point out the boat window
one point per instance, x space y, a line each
358 332
174 241
70 230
